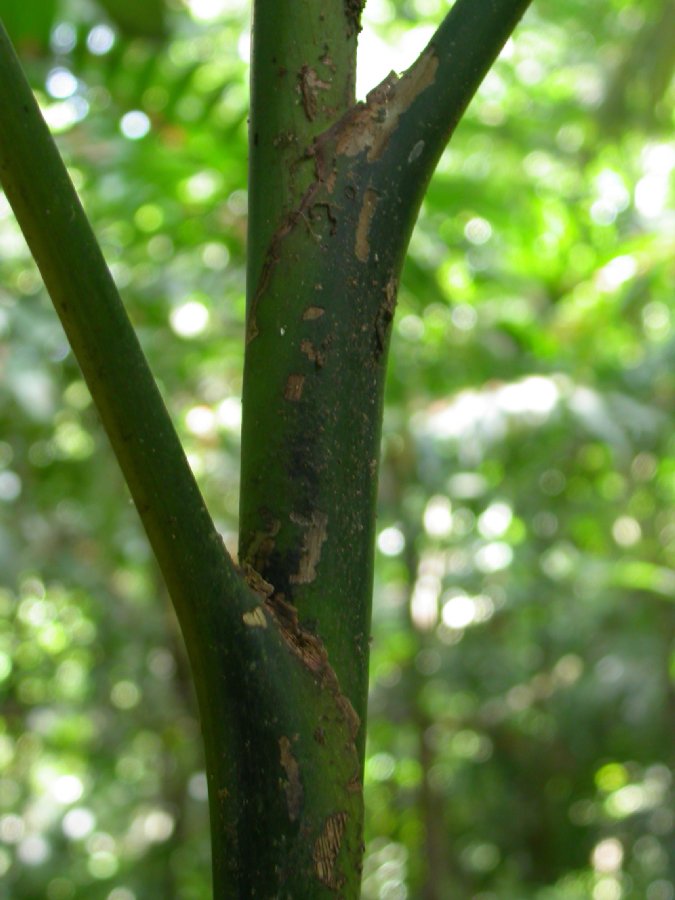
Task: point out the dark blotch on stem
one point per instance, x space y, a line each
353 10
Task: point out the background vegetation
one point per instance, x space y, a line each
522 725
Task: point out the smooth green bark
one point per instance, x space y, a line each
303 65
319 314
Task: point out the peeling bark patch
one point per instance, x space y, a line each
257 554
327 847
417 79
301 642
351 717
294 386
370 125
312 354
313 312
293 785
256 582
365 128
309 85
359 130
384 316
309 649
255 618
317 355
362 247
315 535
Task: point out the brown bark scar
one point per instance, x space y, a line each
309 85
256 582
370 125
256 618
305 645
294 387
366 127
257 554
293 785
385 315
362 246
327 848
315 535
309 649
317 355
313 312
351 717
310 351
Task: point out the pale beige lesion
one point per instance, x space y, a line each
309 86
361 244
255 618
294 387
313 312
315 534
327 848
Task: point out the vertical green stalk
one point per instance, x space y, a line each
302 82
331 216
303 64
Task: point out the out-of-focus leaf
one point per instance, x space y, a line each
643 576
29 24
147 19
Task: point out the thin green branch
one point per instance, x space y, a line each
424 106
62 242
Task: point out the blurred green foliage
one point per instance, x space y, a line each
522 727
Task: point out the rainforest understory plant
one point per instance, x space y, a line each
278 641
